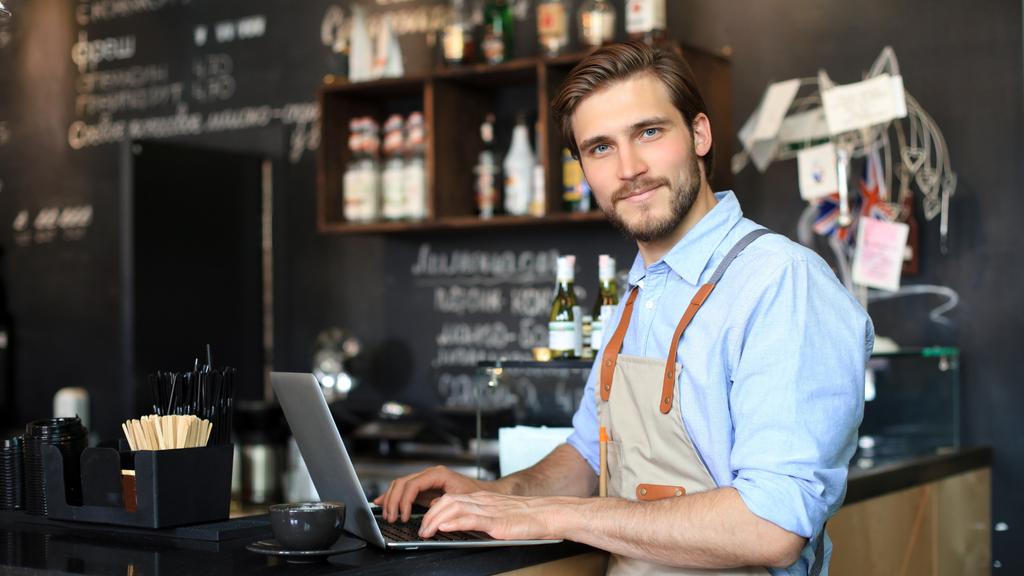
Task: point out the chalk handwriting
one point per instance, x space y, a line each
88 54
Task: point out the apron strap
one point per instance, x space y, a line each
668 387
611 351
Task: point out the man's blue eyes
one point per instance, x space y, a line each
648 133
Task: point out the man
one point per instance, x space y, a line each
732 386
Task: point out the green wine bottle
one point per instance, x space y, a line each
607 300
565 326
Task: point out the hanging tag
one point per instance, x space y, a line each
817 169
878 261
863 104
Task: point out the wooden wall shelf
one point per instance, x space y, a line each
454 102
464 223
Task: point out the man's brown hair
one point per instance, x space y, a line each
617 62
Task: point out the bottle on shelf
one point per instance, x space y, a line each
393 176
496 45
552 27
575 190
538 194
361 182
607 300
565 323
414 175
457 42
518 167
646 20
360 55
596 20
487 171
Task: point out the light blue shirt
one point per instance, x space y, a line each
772 387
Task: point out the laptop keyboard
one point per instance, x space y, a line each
409 532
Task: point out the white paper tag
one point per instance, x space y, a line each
817 169
862 104
761 152
804 127
773 109
878 261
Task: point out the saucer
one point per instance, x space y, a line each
272 547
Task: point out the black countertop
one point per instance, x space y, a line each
32 545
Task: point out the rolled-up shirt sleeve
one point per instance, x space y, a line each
584 437
797 395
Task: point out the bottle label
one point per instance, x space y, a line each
493 48
596 334
643 16
551 19
454 43
572 179
597 27
552 26
562 336
415 188
394 191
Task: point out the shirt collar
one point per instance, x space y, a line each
690 256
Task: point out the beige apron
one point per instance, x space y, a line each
650 454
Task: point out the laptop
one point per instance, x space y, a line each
335 478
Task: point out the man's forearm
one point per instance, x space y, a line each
563 472
712 529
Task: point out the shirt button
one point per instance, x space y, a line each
649 305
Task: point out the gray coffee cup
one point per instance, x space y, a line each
307 525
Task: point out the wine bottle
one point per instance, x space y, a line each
392 179
607 299
565 324
487 171
596 22
457 43
645 20
498 34
415 174
552 27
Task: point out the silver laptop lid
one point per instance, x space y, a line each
324 452
331 469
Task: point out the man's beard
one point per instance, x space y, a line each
684 194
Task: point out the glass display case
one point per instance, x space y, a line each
912 400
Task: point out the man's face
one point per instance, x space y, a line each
638 156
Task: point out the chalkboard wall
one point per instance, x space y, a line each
241 75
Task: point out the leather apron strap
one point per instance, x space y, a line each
668 384
611 352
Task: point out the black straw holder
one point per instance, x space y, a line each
173 487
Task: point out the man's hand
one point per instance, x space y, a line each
423 488
501 516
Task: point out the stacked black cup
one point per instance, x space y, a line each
69 436
12 474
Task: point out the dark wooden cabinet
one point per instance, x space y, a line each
454 103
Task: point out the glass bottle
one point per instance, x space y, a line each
552 27
565 326
518 167
352 195
415 173
487 172
498 32
645 20
370 170
393 177
606 301
596 20
457 42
